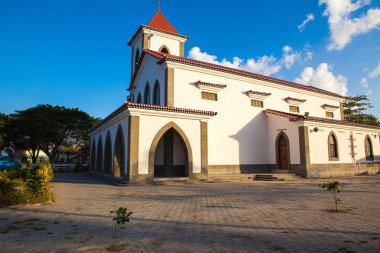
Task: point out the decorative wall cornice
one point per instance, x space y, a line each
213 87
257 94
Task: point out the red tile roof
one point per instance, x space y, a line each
160 22
127 105
187 61
296 118
169 109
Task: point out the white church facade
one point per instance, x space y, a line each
188 118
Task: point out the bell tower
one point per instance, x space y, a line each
159 36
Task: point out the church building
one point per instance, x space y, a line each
191 119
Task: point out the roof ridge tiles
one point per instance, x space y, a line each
159 21
189 61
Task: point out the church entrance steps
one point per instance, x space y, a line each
171 180
250 177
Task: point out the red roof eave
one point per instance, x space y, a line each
128 105
221 68
297 118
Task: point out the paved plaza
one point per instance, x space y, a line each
287 216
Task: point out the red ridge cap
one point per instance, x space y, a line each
235 71
160 22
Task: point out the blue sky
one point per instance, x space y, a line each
74 53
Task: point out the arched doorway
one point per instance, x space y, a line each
93 156
108 155
283 152
99 158
119 154
170 154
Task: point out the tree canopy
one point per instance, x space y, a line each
3 122
48 128
355 108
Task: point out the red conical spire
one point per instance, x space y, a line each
160 22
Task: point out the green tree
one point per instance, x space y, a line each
3 122
48 128
355 108
26 130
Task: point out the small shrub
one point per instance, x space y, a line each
35 185
12 173
334 188
18 182
36 181
23 173
45 171
6 186
122 216
22 197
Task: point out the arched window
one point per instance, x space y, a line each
156 93
333 147
139 100
137 57
147 94
368 148
164 50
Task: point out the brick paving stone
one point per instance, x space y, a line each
222 217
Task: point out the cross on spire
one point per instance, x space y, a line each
158 4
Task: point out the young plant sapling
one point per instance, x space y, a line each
335 188
122 216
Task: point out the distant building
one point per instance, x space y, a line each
188 118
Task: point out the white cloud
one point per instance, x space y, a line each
289 56
342 26
322 77
364 83
309 17
375 72
266 65
309 55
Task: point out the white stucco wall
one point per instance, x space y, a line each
359 137
238 132
318 142
150 71
157 41
149 127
